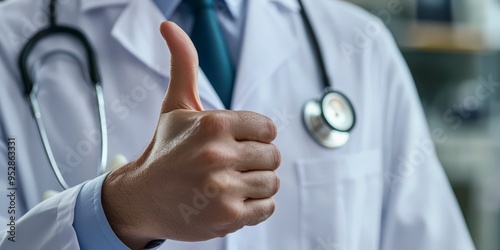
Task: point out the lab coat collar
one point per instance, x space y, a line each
269 40
268 30
87 5
292 5
134 28
141 19
234 5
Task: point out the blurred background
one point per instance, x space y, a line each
452 48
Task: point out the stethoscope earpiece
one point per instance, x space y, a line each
330 119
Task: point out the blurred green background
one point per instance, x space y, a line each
452 48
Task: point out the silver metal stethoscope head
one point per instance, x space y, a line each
330 119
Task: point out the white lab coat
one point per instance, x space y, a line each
385 189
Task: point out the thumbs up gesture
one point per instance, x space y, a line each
205 173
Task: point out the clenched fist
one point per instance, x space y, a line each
205 173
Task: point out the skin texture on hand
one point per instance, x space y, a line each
205 173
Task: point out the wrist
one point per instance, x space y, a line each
122 209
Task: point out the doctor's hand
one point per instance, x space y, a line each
205 173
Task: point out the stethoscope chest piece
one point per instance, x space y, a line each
330 119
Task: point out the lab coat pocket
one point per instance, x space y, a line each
340 201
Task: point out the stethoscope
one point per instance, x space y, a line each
31 88
329 119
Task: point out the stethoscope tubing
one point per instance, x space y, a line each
31 89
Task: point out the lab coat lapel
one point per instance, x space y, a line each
136 29
269 40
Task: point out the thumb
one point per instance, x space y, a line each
183 87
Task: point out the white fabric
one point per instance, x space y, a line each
370 194
117 162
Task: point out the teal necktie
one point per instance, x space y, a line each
214 56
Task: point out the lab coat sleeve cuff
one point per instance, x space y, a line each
90 223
